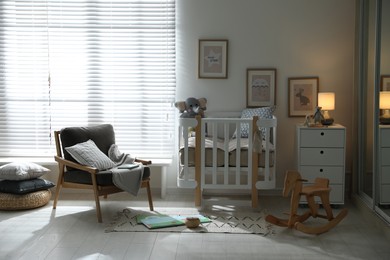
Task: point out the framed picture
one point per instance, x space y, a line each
385 83
302 96
260 87
213 57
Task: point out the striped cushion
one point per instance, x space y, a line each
89 154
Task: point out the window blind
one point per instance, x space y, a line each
79 63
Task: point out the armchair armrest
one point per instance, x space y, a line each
65 162
144 162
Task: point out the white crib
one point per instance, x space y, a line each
214 156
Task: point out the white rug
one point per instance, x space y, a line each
222 221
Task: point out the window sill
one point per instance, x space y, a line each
38 160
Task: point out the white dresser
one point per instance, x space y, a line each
384 164
321 153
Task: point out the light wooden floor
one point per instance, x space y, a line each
72 232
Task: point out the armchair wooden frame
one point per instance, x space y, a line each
98 190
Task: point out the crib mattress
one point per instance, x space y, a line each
220 158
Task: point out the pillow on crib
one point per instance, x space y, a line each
261 112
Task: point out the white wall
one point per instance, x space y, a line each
297 37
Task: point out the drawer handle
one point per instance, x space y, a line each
322 133
322 152
321 170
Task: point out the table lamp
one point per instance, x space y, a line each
326 100
384 103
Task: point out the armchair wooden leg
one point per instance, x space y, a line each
56 195
97 201
58 188
98 210
149 196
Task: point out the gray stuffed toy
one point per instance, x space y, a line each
191 107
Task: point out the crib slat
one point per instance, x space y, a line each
226 154
215 154
238 153
253 170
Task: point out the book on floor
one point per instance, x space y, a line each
158 221
163 220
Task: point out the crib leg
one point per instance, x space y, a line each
255 198
198 197
198 144
255 157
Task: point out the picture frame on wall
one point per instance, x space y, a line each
385 83
213 59
261 87
302 95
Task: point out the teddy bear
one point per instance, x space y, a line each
191 107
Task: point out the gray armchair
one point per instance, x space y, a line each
75 175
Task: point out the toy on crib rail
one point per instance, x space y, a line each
191 107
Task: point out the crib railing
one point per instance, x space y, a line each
213 124
186 127
217 175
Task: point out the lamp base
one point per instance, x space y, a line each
327 121
384 120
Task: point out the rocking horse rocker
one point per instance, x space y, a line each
320 188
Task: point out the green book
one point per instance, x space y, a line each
158 221
162 220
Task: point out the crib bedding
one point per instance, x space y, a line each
232 150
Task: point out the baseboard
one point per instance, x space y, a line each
178 191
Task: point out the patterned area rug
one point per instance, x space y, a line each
222 221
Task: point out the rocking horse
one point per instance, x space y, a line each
320 188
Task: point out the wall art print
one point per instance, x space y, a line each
213 59
302 95
261 87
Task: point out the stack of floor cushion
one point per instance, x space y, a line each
22 186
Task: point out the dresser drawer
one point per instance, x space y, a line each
385 194
335 174
385 137
385 174
385 156
322 138
322 156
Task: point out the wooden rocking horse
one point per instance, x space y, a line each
320 188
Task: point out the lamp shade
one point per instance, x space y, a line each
326 100
384 100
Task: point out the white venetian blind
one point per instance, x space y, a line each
78 63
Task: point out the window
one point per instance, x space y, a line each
70 63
